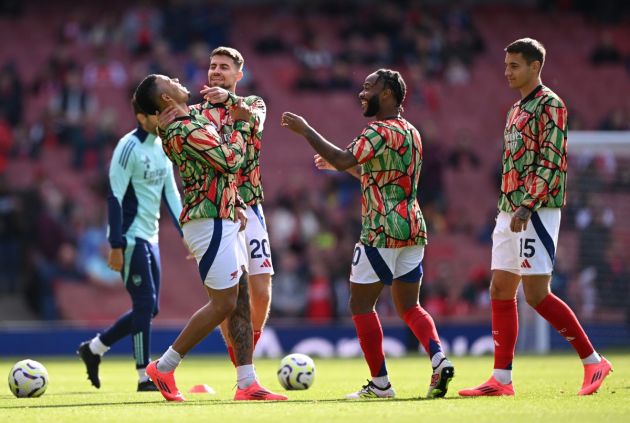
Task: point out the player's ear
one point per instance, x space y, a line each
141 118
166 98
536 66
239 75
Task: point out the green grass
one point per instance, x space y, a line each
546 392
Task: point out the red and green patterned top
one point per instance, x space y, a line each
535 153
248 178
207 165
390 154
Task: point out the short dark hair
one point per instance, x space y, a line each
230 52
394 81
530 49
146 95
136 108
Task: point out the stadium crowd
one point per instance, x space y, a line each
64 110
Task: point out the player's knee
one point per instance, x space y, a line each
498 292
533 298
359 305
145 304
225 306
261 298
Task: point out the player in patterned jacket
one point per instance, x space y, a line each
524 241
224 73
207 165
393 236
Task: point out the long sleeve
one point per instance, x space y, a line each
204 145
547 175
119 177
171 197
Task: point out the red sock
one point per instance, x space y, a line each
370 335
562 318
421 324
504 332
231 354
257 335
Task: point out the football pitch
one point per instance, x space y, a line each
545 386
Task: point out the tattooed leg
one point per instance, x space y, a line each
240 326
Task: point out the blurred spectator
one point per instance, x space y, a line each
313 52
142 26
72 106
340 78
462 156
456 72
11 235
289 286
54 254
594 223
269 41
616 120
11 95
476 291
605 52
104 72
6 143
320 304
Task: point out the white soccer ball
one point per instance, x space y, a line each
28 378
296 372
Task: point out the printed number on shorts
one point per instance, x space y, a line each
527 247
257 245
356 256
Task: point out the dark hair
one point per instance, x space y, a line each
136 108
230 52
529 48
146 95
395 82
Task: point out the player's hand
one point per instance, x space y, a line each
322 164
294 122
240 216
240 111
214 95
115 259
166 117
520 219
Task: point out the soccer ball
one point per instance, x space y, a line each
296 372
28 378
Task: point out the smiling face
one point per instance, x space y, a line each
369 95
518 72
223 72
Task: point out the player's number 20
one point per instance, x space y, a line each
257 245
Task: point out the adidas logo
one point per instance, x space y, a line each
266 263
525 264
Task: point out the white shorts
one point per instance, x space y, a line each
371 264
530 252
214 243
257 242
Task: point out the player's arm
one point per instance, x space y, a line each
120 168
340 159
322 164
171 197
210 149
542 176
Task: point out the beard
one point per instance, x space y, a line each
373 106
